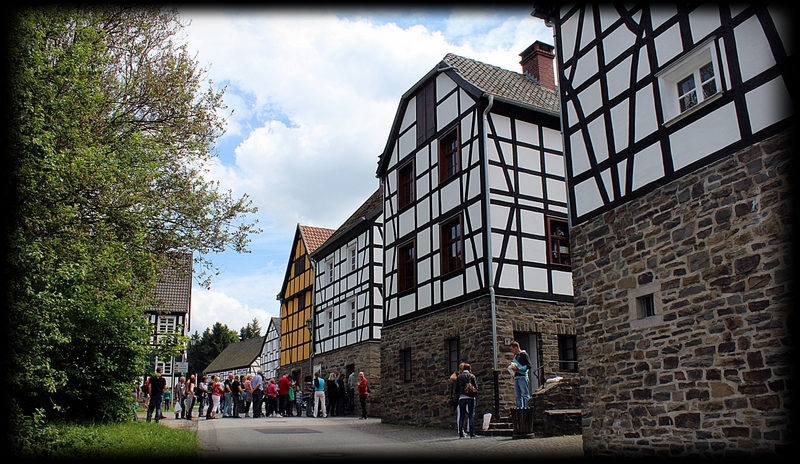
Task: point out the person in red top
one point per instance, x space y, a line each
363 392
283 394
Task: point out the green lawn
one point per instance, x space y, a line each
130 440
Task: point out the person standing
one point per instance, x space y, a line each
363 392
319 395
520 365
190 387
341 392
466 402
308 395
157 386
257 385
227 397
180 397
202 394
216 395
248 394
331 391
236 396
455 393
272 399
284 382
351 393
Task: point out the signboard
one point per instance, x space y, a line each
182 367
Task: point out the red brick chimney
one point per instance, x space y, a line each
537 62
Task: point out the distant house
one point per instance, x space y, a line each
476 238
172 312
349 297
296 297
678 122
240 358
271 360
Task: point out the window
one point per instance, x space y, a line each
407 267
452 245
351 256
426 123
453 355
299 265
645 307
329 270
329 321
690 82
166 328
449 155
405 364
405 186
688 93
558 241
351 311
567 353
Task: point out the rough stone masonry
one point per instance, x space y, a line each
710 373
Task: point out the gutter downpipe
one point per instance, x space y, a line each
495 371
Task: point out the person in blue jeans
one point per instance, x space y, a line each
520 366
466 402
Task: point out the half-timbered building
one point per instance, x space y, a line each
348 310
271 360
676 122
297 298
171 313
476 250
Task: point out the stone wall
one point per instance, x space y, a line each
365 357
710 373
556 408
422 401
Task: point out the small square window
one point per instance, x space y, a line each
645 307
558 241
567 353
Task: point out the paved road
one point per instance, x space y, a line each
348 437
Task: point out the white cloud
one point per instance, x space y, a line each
314 94
210 307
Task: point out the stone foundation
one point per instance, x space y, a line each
710 373
422 401
366 358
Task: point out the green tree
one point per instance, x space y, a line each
207 347
251 330
111 127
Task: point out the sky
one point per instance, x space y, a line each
311 95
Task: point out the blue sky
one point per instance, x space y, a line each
311 96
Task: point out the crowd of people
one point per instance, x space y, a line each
253 395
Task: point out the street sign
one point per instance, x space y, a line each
182 367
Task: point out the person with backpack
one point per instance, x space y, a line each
520 365
467 384
319 395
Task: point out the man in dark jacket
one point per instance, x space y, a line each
157 386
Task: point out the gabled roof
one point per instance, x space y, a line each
477 78
275 322
239 355
174 287
505 84
313 237
367 211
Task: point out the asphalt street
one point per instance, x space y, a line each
348 437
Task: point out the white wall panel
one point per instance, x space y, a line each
768 104
446 112
535 279
705 136
528 158
647 166
562 282
527 132
753 49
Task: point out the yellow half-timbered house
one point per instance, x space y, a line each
297 298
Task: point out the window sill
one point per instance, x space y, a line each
693 109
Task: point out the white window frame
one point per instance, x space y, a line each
352 257
351 312
681 69
329 269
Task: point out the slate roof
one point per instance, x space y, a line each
505 84
276 322
313 237
174 286
374 202
239 355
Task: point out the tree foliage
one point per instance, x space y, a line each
251 330
111 127
203 350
